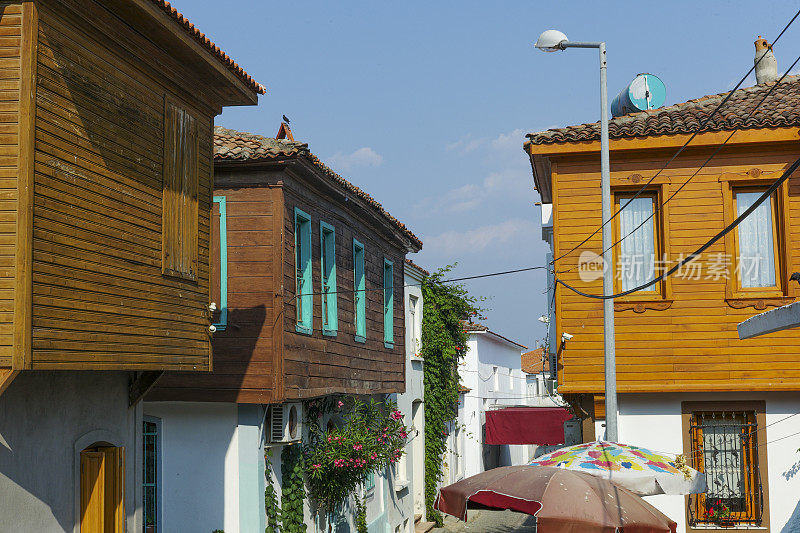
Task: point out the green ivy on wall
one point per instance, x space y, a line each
293 492
271 504
445 308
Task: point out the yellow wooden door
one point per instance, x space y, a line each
103 490
92 492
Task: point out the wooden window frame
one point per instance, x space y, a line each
759 408
328 294
359 292
180 224
222 323
784 292
304 301
388 304
662 293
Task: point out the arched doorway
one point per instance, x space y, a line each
102 489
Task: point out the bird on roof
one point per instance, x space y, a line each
286 119
765 62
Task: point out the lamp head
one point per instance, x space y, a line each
550 40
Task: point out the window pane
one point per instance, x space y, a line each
756 255
637 249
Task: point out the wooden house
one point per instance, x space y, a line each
307 279
687 383
106 116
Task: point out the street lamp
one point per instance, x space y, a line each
553 41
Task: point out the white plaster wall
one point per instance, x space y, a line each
485 351
654 421
199 465
46 418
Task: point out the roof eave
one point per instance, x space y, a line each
709 138
230 88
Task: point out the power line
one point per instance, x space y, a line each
719 148
771 189
680 150
450 280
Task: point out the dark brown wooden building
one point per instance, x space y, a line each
308 278
106 117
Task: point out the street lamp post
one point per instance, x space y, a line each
553 41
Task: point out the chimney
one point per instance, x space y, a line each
767 68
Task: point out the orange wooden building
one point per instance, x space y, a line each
106 116
687 383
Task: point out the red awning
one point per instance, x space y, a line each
526 425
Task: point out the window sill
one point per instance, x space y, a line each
640 305
758 302
416 359
388 345
359 338
330 332
305 330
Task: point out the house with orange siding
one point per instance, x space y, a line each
687 384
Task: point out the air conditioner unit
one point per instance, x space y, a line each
286 423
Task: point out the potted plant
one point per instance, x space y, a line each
720 514
150 525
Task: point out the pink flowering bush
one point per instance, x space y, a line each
371 436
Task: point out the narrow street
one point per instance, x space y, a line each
490 522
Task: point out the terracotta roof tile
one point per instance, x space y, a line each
232 145
534 362
474 326
780 109
200 37
413 264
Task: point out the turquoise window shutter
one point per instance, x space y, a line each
359 292
330 322
388 303
304 292
222 322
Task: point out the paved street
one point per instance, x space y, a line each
490 522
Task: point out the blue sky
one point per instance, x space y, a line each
425 104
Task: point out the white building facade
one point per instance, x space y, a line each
492 371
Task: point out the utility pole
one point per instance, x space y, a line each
553 41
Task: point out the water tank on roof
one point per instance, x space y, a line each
646 91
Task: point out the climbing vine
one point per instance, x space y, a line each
361 515
293 490
445 308
271 504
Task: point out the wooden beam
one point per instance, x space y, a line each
777 319
7 375
23 284
143 382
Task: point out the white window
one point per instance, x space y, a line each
416 326
756 241
495 379
637 251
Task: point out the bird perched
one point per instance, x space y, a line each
286 119
767 67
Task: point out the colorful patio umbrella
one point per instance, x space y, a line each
563 501
642 471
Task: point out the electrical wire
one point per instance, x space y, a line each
696 172
771 189
450 280
681 149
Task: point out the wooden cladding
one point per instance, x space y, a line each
179 216
681 336
122 174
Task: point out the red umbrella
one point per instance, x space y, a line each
563 501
